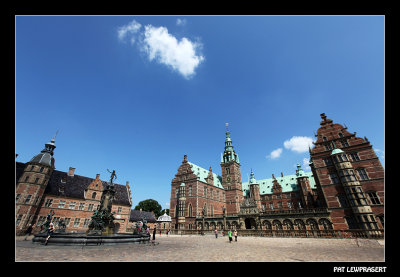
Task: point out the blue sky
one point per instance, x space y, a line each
137 93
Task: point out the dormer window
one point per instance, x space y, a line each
324 138
340 135
93 195
63 179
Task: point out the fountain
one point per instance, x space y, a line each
101 226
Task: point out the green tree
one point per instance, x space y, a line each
149 205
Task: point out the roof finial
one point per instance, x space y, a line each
54 138
227 124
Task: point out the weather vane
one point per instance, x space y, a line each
227 124
54 138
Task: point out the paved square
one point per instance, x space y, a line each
208 248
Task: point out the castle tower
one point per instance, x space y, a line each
255 190
351 178
354 192
305 188
231 176
31 185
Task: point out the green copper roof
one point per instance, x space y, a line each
336 151
288 183
252 179
202 174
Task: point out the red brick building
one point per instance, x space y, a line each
345 190
350 177
41 188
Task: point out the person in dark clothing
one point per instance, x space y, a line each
154 233
50 231
28 231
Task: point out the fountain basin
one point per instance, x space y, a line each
84 239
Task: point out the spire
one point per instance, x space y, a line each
252 179
45 157
229 153
50 146
299 171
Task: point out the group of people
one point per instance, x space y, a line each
235 234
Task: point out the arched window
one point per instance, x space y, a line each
326 224
300 224
93 195
288 224
190 210
313 224
267 225
277 224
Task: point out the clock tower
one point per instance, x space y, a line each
231 177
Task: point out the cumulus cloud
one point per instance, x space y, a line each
298 144
159 45
163 47
181 22
306 164
275 154
129 30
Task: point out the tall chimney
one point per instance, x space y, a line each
71 171
97 176
281 174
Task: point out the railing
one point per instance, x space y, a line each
339 234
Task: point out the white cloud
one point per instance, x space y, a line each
129 29
159 45
306 164
380 153
166 49
181 22
298 144
275 154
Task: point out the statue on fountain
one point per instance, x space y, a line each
46 224
102 222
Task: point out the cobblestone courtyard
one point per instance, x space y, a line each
208 248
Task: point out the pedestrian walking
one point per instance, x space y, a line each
216 233
235 234
50 231
28 231
230 236
160 232
154 233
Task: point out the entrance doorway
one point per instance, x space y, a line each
250 223
116 228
